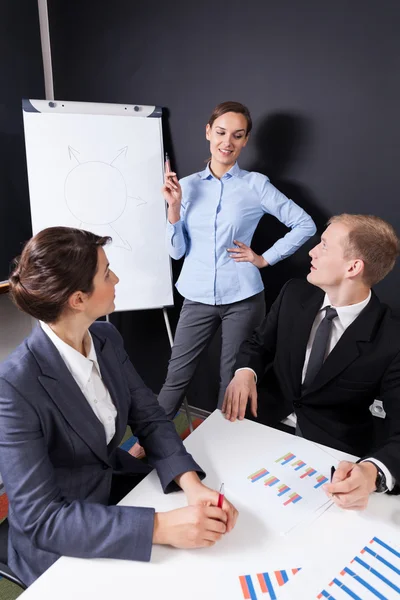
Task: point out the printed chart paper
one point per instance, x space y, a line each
285 486
373 573
256 586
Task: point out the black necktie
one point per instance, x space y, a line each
318 350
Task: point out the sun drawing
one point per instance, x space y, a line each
96 194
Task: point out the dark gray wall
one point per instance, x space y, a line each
21 75
321 80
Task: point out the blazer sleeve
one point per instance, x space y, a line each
157 434
70 528
258 352
389 453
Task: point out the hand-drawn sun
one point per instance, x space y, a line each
96 194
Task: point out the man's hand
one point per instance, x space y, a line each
241 389
352 484
190 527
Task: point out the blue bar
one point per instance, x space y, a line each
320 483
347 590
269 585
326 595
378 541
383 560
273 483
377 574
297 499
284 577
284 492
299 467
260 477
250 585
288 460
365 584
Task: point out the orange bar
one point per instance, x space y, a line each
245 588
279 578
261 581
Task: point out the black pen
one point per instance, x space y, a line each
332 472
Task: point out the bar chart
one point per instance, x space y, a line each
373 573
270 480
257 586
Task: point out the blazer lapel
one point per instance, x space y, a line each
347 349
300 333
66 394
114 381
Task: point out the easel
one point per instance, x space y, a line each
49 93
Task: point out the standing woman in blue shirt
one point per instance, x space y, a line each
212 216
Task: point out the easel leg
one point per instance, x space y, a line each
171 341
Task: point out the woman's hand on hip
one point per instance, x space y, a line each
244 253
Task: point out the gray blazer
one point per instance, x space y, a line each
55 463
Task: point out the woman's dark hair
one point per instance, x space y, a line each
54 264
235 107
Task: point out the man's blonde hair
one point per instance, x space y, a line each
372 240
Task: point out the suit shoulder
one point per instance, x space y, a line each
299 287
20 361
392 323
104 330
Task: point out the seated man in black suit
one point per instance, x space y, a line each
326 350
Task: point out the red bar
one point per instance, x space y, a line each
279 578
245 587
290 500
261 581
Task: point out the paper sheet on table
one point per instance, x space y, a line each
365 566
284 484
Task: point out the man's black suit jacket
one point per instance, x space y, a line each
364 365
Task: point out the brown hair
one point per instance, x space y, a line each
54 264
235 107
372 240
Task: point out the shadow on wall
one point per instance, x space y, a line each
282 141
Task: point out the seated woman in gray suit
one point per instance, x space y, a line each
67 394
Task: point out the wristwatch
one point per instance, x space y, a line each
380 481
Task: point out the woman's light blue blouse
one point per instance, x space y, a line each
214 212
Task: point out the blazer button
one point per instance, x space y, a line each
105 467
297 404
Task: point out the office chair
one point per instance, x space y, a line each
5 570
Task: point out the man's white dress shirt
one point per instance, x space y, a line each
346 316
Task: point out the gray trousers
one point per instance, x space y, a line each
196 327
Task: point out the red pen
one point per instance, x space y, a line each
221 496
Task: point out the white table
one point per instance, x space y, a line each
219 446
